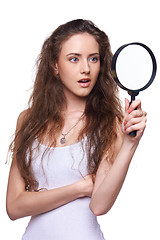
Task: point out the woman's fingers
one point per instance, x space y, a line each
136 104
135 117
135 124
135 114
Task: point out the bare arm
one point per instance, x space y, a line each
109 180
21 203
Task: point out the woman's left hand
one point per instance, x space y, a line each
134 120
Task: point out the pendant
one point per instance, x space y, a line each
62 140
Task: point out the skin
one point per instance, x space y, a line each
109 180
84 63
78 59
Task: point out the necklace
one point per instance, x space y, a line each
63 139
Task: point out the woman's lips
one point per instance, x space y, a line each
85 82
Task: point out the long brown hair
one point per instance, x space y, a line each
103 108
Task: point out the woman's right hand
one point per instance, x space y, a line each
86 186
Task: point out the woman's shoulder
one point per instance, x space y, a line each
22 117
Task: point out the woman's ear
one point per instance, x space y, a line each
55 68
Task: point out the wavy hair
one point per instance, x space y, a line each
102 111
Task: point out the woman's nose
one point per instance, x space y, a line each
85 67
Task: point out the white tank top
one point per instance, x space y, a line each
73 221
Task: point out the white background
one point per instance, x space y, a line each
24 25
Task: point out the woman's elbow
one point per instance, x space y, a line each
98 211
95 212
12 212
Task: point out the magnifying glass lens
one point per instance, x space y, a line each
134 67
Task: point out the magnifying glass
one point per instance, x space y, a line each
134 69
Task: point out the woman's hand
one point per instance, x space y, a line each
134 120
86 186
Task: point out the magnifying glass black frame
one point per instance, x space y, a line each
131 92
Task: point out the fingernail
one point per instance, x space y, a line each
124 123
129 110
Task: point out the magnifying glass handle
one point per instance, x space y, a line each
133 133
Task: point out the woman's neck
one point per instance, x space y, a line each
75 105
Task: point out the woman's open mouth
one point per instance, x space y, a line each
84 82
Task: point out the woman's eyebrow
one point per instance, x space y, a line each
93 54
78 54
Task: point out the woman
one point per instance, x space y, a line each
70 156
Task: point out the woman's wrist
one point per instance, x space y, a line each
129 147
78 189
84 187
130 142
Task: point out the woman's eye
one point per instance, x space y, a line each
94 59
73 59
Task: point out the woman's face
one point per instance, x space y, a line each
79 64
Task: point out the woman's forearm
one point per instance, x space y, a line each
105 195
33 203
